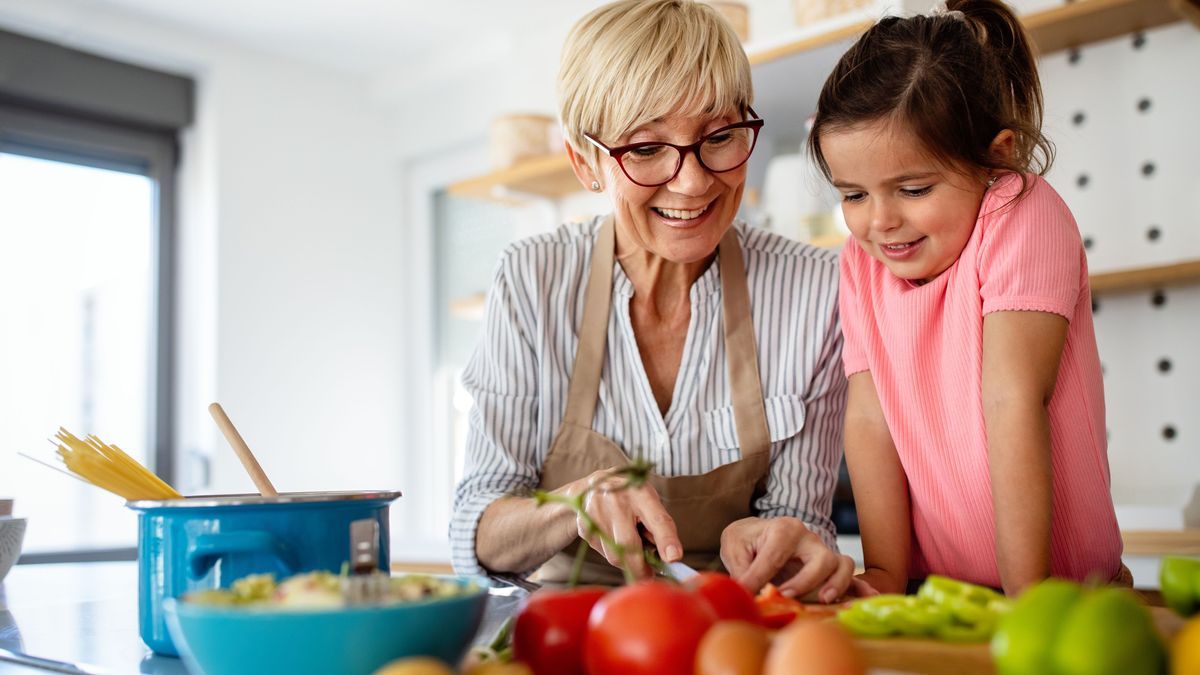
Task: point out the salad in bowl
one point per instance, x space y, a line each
306 624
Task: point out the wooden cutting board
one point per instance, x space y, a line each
930 657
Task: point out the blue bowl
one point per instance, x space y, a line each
223 640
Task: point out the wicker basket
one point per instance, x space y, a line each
521 136
736 13
809 12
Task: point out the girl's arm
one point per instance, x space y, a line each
1021 353
880 488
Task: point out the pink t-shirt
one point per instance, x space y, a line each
924 348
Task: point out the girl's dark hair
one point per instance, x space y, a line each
956 79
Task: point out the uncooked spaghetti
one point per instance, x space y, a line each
109 467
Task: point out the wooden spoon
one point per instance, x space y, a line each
243 451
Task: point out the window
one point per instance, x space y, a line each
86 209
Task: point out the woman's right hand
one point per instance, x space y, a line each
619 511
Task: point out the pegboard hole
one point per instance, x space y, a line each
1169 432
1078 118
1164 365
1143 104
1153 233
1148 169
1088 242
1074 55
1139 40
1082 180
1158 298
1095 306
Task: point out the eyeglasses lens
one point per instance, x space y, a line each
658 164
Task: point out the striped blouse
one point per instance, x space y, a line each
519 374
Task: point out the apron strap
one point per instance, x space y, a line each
584 389
741 352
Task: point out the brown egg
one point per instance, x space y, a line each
732 648
813 648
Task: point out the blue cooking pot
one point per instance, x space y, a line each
207 542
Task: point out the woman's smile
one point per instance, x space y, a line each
683 218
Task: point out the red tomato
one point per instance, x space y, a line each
549 629
651 628
777 609
728 598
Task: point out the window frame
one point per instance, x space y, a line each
80 139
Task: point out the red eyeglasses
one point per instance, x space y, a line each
655 163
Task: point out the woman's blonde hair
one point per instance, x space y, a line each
634 61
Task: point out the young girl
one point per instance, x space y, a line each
975 429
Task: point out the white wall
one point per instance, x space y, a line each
291 254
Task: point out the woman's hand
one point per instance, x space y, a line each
618 511
783 550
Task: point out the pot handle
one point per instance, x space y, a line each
211 547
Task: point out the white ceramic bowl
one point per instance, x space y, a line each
12 533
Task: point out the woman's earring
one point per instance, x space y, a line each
595 186
991 180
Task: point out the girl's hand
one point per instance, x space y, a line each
873 582
618 510
784 550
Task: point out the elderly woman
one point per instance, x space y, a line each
663 331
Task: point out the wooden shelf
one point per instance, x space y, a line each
1142 278
834 240
1162 542
548 177
807 43
1085 21
784 85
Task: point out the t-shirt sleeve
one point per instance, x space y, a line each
854 357
1030 255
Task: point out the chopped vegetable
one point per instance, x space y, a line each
313 590
943 608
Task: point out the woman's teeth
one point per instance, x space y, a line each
678 214
898 247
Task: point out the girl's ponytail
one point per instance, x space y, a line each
956 79
1014 67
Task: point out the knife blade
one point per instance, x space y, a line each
680 571
49 664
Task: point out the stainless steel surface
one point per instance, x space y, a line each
202 501
364 546
77 613
365 584
48 664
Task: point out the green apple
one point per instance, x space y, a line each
1108 632
1026 635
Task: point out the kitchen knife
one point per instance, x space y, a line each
680 571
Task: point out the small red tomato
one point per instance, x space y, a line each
728 598
549 629
650 628
776 609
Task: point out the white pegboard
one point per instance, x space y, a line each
1122 114
1104 137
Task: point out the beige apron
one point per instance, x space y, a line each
701 505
